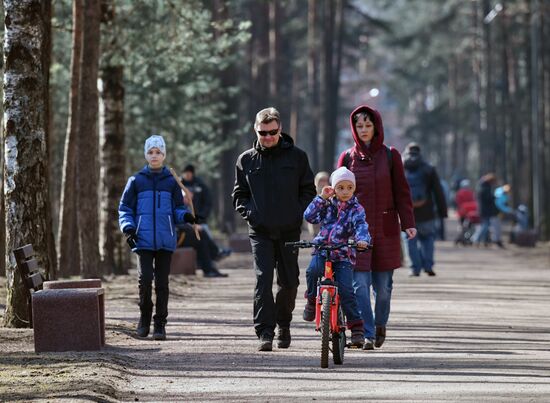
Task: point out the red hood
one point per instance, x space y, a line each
378 139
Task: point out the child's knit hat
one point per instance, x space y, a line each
155 141
341 174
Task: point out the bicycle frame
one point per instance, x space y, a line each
327 283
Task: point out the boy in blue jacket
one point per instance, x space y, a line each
341 217
150 208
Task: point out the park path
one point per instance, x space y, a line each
479 330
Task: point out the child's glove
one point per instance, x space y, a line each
131 238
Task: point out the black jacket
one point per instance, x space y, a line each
486 200
202 199
426 212
273 187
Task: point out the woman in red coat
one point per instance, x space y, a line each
384 193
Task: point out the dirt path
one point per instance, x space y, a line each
479 330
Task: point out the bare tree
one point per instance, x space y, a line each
28 217
87 173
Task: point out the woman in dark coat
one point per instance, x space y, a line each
384 193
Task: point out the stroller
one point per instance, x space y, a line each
469 217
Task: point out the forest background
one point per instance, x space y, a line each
468 80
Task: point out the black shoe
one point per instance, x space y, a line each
380 336
215 273
283 337
309 312
266 342
414 275
159 332
430 273
144 325
500 245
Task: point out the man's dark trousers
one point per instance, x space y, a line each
270 254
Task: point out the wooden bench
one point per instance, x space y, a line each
65 319
184 261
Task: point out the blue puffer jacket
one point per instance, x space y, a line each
152 205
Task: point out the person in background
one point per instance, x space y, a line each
487 208
321 180
202 202
427 197
502 200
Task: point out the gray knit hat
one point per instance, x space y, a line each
155 141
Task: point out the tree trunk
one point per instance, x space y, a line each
259 83
87 155
2 210
326 76
69 252
312 87
113 163
25 142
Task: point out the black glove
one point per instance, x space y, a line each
131 238
190 218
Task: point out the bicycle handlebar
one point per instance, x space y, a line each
321 246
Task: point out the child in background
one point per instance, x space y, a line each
341 217
150 208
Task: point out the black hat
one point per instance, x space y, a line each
189 168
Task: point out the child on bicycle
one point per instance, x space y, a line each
341 217
150 208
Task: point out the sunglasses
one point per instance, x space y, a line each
264 133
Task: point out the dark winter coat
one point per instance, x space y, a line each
202 198
152 205
385 196
486 200
434 191
273 187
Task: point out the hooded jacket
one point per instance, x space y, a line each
152 205
413 161
339 221
273 187
384 195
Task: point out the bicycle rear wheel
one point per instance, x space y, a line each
325 328
339 340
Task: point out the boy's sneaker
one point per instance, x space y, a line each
368 344
309 311
283 337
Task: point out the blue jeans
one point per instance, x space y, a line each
343 275
421 247
482 231
382 285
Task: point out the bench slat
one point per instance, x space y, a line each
29 267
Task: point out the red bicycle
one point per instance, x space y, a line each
329 316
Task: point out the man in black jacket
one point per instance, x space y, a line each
273 187
425 191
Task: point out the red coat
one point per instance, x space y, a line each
386 199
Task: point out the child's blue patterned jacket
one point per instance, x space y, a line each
339 222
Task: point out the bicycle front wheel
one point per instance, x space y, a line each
325 328
339 340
